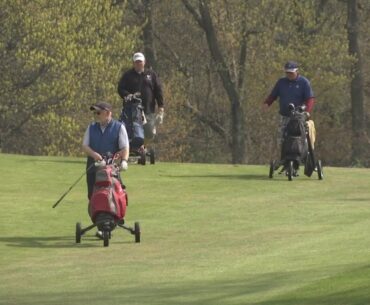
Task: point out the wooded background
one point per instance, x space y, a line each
218 60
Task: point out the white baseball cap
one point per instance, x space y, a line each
138 57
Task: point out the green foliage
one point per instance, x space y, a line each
66 56
57 57
311 32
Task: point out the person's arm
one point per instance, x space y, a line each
158 91
123 86
91 153
269 100
309 98
124 146
309 104
87 149
123 143
272 97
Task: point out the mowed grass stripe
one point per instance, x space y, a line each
211 234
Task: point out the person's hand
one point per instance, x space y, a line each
128 97
123 166
159 116
97 157
265 107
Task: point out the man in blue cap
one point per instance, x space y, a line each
291 89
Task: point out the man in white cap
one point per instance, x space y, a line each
147 83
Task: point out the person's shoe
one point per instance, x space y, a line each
99 234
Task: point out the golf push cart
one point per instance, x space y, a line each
107 205
133 117
297 147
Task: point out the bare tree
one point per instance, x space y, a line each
357 83
203 17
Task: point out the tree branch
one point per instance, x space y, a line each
208 121
33 110
192 11
176 58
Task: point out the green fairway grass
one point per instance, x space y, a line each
211 234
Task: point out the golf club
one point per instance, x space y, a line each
72 186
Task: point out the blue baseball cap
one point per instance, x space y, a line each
291 66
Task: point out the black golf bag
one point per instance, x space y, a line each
295 146
132 116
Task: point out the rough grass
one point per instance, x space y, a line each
211 234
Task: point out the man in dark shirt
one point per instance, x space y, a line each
145 81
291 89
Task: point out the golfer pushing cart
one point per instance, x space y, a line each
297 148
106 192
296 100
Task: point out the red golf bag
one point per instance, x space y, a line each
108 195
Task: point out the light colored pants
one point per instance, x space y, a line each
312 132
150 129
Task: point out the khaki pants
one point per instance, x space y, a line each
312 132
150 129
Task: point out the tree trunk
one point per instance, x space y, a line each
237 114
357 84
148 36
143 10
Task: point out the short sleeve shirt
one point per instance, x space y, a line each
291 92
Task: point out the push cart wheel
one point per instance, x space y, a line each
290 170
106 238
137 232
78 233
152 156
272 168
320 173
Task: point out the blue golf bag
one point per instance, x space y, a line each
132 116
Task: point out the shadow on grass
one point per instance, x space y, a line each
46 242
59 161
276 288
277 178
87 241
366 200
220 176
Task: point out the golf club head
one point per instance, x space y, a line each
291 107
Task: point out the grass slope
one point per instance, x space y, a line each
211 234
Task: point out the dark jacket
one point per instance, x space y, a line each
147 83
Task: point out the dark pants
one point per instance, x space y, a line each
90 179
90 176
